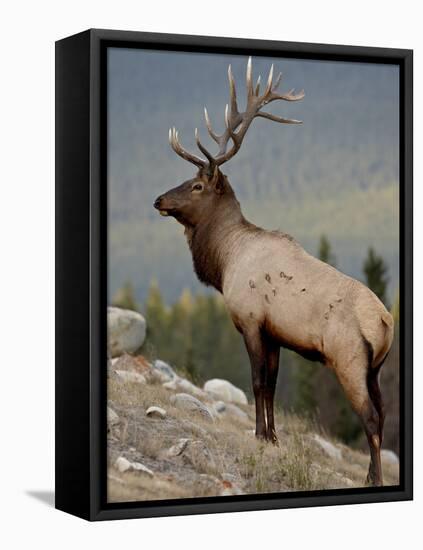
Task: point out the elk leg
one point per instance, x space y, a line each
256 352
354 381
376 397
272 367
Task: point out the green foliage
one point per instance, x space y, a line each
303 375
125 297
325 251
375 271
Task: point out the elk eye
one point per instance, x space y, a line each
197 187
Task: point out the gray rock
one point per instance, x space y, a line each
236 411
328 448
224 390
162 371
156 412
187 402
178 448
223 409
183 385
126 330
130 376
125 465
389 457
112 417
219 407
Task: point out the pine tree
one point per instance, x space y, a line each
325 251
157 316
125 297
375 271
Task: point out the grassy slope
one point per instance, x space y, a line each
231 459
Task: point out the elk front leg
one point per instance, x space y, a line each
272 367
257 354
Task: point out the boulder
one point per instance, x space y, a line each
389 457
328 448
130 376
162 371
125 465
126 330
155 412
184 385
112 417
190 403
219 407
229 409
224 390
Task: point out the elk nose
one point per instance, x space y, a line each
157 202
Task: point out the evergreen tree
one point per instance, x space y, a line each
375 271
325 251
125 297
157 317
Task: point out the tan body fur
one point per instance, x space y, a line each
306 305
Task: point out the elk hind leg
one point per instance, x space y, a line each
354 380
376 397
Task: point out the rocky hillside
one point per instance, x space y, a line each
168 438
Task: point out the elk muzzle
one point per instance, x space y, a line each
158 204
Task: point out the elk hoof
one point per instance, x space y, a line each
373 481
261 436
272 437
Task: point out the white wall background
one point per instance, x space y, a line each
27 37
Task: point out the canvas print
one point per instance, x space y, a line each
253 275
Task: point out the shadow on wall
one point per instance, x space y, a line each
46 497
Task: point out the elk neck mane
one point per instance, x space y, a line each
215 239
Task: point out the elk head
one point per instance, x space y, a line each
200 196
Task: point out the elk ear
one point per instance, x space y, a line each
217 180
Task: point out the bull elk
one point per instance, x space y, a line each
276 293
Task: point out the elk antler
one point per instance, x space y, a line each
237 123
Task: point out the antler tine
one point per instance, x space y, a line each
229 128
202 148
269 81
213 135
278 118
277 82
290 96
232 92
249 77
179 150
237 123
257 90
237 126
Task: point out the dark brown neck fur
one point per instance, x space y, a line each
211 241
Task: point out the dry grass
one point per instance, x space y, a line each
223 457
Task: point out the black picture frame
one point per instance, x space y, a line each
81 273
